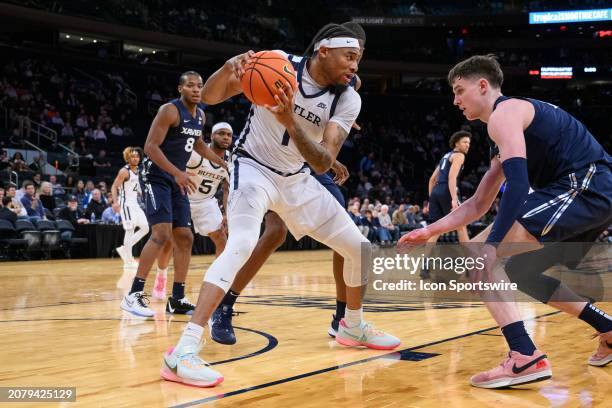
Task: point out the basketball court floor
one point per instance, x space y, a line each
61 326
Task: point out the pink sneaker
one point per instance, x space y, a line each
603 355
514 370
159 289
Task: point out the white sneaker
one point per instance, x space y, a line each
365 335
185 366
136 303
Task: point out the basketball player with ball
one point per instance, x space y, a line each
299 116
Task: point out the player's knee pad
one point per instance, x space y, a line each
346 239
237 251
527 271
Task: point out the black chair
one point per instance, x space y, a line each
68 244
11 246
51 237
28 231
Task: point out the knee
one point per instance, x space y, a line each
183 238
218 237
161 236
241 246
275 231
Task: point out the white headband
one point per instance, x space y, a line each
337 42
222 125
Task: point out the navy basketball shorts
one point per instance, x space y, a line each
327 181
575 208
165 203
439 202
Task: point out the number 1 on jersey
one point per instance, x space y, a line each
285 141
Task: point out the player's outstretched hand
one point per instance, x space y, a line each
185 183
413 238
341 173
238 62
283 111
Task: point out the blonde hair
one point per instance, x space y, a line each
41 190
127 152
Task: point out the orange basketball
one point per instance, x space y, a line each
267 72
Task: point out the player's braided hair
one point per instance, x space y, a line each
357 29
332 30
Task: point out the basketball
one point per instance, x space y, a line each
267 72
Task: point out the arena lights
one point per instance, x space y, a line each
534 72
570 16
556 73
590 69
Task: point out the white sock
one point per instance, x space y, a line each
192 335
162 272
353 318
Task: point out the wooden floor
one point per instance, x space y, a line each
60 325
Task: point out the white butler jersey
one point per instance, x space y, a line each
206 176
267 141
130 188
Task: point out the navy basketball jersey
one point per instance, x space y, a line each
557 144
444 168
179 141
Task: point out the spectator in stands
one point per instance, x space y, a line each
2 192
4 160
385 222
67 132
127 131
104 190
116 130
38 164
72 213
368 221
99 135
101 160
5 211
31 202
57 187
18 162
16 206
89 187
82 121
80 193
37 180
95 206
69 185
358 218
46 196
110 216
417 216
399 218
